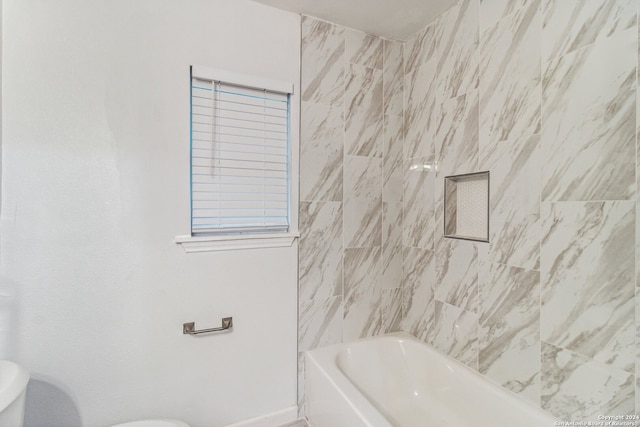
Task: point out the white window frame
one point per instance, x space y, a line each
217 242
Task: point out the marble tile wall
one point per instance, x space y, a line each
542 93
352 131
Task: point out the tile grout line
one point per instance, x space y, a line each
635 260
540 356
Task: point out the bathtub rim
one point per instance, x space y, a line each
325 360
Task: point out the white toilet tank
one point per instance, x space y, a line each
13 388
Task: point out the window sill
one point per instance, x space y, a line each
227 243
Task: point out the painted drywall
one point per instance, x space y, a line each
96 187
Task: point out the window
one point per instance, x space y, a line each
240 155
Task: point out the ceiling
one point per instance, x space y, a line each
394 19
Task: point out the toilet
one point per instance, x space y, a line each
13 389
164 422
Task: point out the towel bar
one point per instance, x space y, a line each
190 328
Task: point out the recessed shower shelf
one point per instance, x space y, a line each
466 206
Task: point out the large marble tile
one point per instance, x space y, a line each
322 62
510 81
418 202
321 152
455 333
588 133
363 309
516 170
637 393
571 25
421 111
515 239
363 202
393 78
439 210
363 112
363 317
301 383
363 92
588 279
362 272
457 273
456 141
391 310
362 223
364 49
391 245
320 323
491 11
457 38
363 178
417 292
637 350
484 265
320 265
637 259
392 159
509 344
575 388
420 48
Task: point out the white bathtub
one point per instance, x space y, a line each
396 380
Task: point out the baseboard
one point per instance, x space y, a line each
274 419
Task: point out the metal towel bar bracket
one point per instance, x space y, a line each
190 328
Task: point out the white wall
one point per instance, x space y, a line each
95 187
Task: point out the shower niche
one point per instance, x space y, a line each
466 206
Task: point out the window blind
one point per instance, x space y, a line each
239 158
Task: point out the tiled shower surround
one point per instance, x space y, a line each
543 95
350 186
